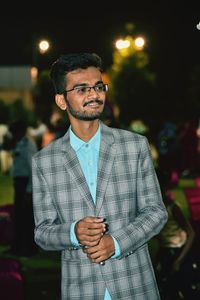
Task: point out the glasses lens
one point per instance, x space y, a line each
100 88
82 90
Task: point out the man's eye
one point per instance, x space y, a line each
100 87
81 90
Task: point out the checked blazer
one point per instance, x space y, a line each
128 197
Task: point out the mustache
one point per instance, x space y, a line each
93 101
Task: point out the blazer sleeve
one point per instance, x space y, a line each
151 213
50 234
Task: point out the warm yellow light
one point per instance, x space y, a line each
122 44
139 42
43 46
198 132
34 75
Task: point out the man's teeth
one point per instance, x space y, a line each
92 104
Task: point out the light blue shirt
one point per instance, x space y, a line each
88 156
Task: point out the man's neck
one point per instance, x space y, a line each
85 130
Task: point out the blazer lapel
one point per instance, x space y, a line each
106 159
73 167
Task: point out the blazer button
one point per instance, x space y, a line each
102 263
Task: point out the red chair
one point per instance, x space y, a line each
11 281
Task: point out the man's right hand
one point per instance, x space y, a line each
90 230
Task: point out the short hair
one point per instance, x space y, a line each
70 62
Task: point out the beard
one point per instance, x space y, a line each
84 116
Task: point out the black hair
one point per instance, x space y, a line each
70 62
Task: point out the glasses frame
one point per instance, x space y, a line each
89 87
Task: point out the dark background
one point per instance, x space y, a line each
173 41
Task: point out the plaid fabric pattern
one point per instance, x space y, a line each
128 197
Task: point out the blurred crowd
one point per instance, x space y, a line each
18 143
175 149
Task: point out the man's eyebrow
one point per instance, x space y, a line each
99 81
79 85
85 84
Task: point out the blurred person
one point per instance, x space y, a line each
176 258
48 136
59 124
95 193
22 152
188 140
167 145
140 127
37 132
5 149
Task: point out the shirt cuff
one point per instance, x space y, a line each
73 238
117 249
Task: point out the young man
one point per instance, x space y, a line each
96 194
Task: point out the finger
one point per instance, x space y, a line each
81 232
93 256
94 219
87 238
86 225
93 232
95 225
91 250
98 260
89 244
90 234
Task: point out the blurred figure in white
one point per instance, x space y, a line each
140 127
5 153
37 132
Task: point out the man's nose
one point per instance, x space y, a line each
92 92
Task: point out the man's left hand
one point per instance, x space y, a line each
101 252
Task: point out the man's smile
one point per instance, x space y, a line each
93 103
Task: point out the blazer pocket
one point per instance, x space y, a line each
74 256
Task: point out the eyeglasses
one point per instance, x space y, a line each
84 90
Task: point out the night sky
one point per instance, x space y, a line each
173 41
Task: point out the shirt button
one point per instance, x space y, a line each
86 145
91 183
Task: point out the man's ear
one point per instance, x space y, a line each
60 101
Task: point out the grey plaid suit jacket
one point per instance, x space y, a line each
128 196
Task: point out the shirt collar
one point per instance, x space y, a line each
77 143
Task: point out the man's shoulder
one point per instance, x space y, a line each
53 148
127 135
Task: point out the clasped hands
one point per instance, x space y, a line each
91 234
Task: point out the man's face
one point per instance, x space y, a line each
83 103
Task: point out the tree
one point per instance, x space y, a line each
43 97
18 111
133 84
4 112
